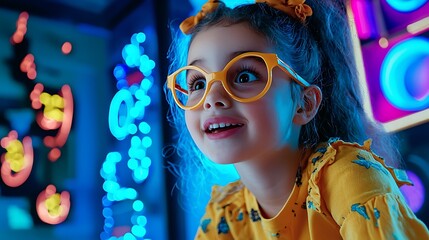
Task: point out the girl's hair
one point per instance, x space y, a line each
320 51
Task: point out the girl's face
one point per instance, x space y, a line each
263 129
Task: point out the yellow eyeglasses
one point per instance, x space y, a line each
245 78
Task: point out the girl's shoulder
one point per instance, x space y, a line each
342 173
338 154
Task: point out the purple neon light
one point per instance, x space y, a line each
396 21
418 73
364 19
414 195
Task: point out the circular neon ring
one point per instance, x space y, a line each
406 5
393 73
122 96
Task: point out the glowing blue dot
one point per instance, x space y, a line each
141 37
119 71
131 193
131 55
133 152
105 201
147 142
142 220
111 197
141 173
146 84
132 129
140 94
104 235
145 162
109 168
144 127
110 186
107 212
135 141
146 100
121 84
133 89
129 236
138 205
109 222
113 157
139 231
132 164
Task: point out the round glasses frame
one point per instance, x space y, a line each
271 60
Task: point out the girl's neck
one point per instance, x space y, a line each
270 183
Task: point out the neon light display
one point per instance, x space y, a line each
17 162
57 114
403 75
406 5
53 208
127 111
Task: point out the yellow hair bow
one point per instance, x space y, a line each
188 24
294 8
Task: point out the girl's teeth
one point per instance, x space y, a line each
221 125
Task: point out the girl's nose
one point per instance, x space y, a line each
217 97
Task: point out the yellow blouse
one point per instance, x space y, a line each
345 191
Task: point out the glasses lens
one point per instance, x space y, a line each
190 85
247 77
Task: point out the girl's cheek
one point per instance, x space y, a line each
191 121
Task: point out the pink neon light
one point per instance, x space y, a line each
43 212
21 28
46 123
9 177
35 96
28 66
360 12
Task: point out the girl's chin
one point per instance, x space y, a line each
223 161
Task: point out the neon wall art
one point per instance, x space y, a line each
54 113
394 45
126 122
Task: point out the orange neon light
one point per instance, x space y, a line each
51 207
17 163
66 48
28 66
21 28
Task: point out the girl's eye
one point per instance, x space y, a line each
197 84
245 77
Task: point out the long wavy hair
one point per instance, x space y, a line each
320 51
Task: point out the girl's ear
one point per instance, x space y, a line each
311 99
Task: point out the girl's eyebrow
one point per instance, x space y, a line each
231 56
199 60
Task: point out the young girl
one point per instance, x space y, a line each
271 87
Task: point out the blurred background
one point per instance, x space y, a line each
83 121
